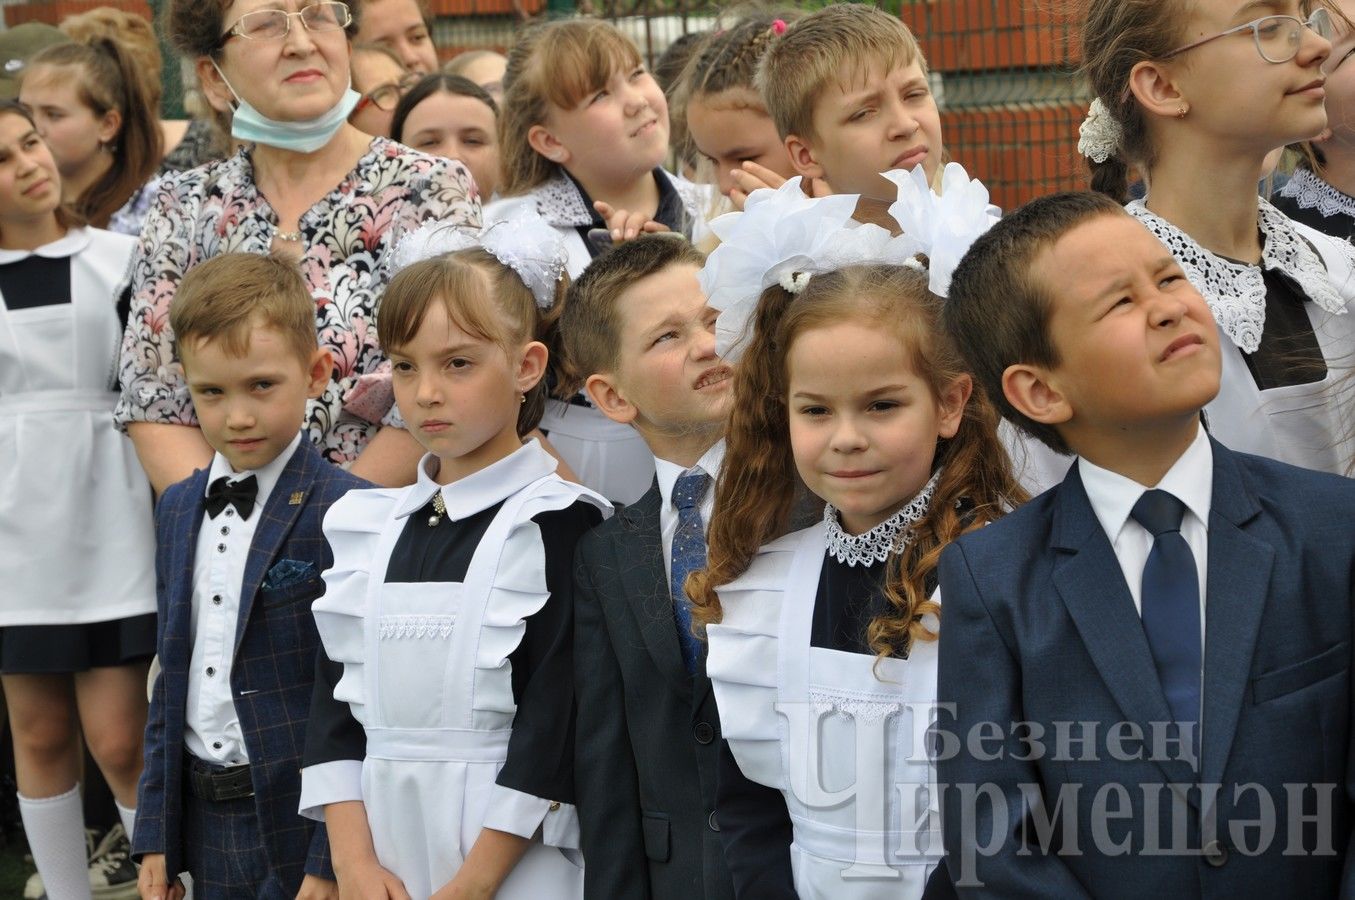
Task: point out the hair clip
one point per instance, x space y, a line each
779 27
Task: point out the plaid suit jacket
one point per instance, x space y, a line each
273 668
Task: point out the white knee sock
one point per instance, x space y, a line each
56 834
128 817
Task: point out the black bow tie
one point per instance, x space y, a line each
223 492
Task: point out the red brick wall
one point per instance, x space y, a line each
1019 149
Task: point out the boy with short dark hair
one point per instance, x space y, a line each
1150 664
848 90
238 562
638 332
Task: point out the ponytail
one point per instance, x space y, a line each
110 80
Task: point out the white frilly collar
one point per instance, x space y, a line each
1236 292
1310 192
888 537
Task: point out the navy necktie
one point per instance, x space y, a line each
689 555
1171 606
223 493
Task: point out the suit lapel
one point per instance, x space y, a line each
1088 578
639 552
1236 587
188 518
278 516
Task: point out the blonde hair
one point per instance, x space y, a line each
554 64
757 485
484 298
834 45
134 31
226 297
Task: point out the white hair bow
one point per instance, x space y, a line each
528 245
783 237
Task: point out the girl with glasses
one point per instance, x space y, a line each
1194 97
381 78
305 183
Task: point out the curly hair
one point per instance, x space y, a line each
758 482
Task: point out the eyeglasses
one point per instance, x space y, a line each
1277 37
386 97
274 24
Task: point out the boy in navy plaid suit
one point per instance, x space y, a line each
238 562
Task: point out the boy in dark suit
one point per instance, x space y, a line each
638 332
1149 663
239 558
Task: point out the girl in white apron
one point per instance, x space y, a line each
447 764
823 641
1280 291
77 544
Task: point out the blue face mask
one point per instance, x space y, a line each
251 126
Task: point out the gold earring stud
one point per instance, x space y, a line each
1181 113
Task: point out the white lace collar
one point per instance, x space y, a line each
1310 192
1236 292
560 203
874 546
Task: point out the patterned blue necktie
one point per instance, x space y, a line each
689 555
1171 606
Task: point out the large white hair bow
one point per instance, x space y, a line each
943 225
783 237
526 244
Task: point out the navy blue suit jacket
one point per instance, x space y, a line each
647 740
273 668
1039 626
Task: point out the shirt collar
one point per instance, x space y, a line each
1190 480
267 475
480 490
669 472
75 240
563 202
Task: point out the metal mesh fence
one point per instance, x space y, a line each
1004 69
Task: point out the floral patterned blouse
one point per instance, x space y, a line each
349 239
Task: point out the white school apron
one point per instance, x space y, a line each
1308 425
841 735
432 688
77 539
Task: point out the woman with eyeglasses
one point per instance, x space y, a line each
305 183
381 79
1194 96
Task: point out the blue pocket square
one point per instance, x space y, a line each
287 572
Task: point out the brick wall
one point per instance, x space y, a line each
1011 103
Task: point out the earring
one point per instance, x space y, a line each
1181 113
523 399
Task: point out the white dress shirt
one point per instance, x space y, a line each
668 474
1112 496
211 727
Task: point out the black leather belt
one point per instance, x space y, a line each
217 784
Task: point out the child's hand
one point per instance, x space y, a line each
626 226
367 880
750 177
461 889
153 883
314 887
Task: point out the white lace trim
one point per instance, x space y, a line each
1236 292
559 203
875 545
397 627
1310 192
870 712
